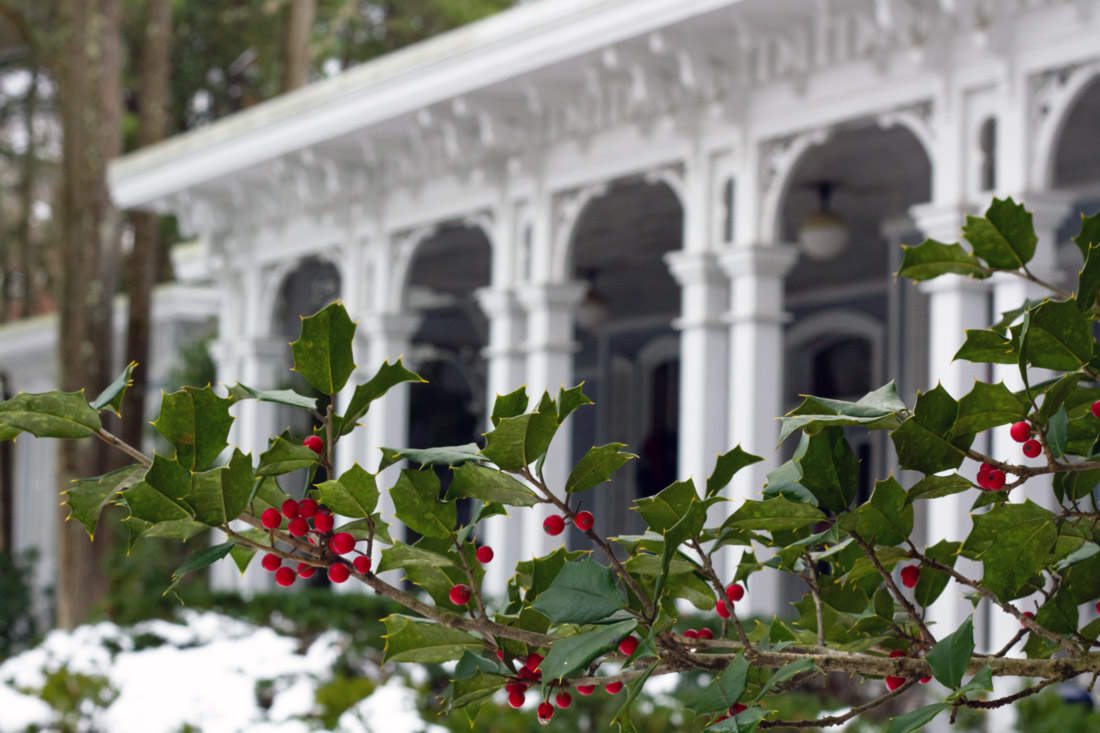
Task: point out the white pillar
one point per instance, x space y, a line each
756 319
550 348
956 303
704 351
506 363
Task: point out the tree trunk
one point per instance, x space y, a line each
299 29
153 98
26 197
90 103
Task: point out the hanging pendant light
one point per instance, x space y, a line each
823 235
594 312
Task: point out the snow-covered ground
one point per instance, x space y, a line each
205 676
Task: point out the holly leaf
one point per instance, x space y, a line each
931 259
48 415
198 561
577 652
569 400
196 422
481 482
723 691
388 376
887 519
773 515
932 583
286 397
416 503
88 497
933 487
726 467
988 406
987 347
159 496
1089 234
1004 237
284 456
517 442
354 494
220 495
509 405
401 555
916 719
452 455
1059 337
1013 541
951 654
665 508
322 354
597 466
111 397
582 593
422 642
920 440
980 682
830 470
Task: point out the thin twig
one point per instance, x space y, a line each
815 590
893 588
112 439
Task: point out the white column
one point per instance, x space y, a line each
755 397
956 303
506 363
550 348
704 351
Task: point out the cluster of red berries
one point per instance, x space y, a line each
1021 432
893 683
910 574
555 523
530 674
460 593
734 592
990 478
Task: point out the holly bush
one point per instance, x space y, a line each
606 621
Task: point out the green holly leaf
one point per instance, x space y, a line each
916 719
481 482
322 354
920 440
537 574
987 347
1059 337
887 519
517 442
451 455
830 470
512 404
286 397
1013 541
665 508
577 652
1004 237
980 682
416 503
726 467
158 497
220 495
284 456
1089 234
773 515
48 415
198 561
1058 432
933 487
423 642
784 673
932 583
242 554
354 494
388 376
1088 279
196 422
723 691
931 259
988 406
401 555
88 497
111 397
597 466
951 654
1059 614
569 400
582 592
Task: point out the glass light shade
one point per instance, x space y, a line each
593 312
823 236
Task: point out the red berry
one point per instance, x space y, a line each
500 654
691 634
361 564
271 562
271 519
706 634
305 572
460 595
1026 614
1095 408
515 687
738 708
1020 431
531 664
338 573
984 469
735 592
995 481
925 680
545 712
896 654
563 699
323 522
314 443
628 645
1032 448
285 576
721 609
910 574
290 509
515 699
1098 606
613 688
554 525
298 527
307 508
584 521
528 675
484 554
893 683
342 543
585 689
722 717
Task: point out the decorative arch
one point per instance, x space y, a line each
917 119
407 244
834 325
1054 94
779 158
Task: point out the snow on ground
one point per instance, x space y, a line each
205 676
